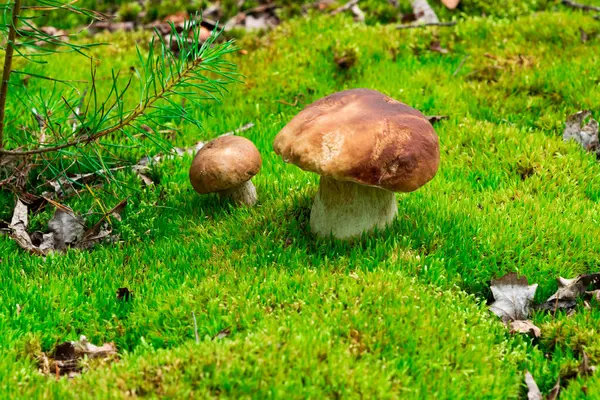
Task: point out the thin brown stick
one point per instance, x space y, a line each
585 7
462 62
8 57
345 7
421 24
133 115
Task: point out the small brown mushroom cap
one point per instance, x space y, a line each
362 136
224 163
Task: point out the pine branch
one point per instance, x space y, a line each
178 69
133 115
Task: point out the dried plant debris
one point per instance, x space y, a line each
222 334
424 15
68 357
585 7
352 5
555 391
67 184
527 327
533 391
124 294
436 47
65 230
585 369
513 297
258 18
586 134
435 118
569 290
424 12
591 295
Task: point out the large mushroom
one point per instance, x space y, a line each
226 166
366 146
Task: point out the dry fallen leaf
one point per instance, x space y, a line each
223 334
65 230
435 118
424 13
586 135
436 46
568 291
66 358
68 229
526 327
18 225
533 391
513 296
594 294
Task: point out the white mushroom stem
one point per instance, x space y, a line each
346 209
245 194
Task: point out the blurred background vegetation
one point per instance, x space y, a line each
376 11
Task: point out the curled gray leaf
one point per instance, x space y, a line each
513 297
584 134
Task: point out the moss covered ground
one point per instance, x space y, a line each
398 314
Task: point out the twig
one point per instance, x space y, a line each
8 57
345 7
137 112
359 15
285 103
93 231
243 128
424 24
41 124
196 328
462 62
585 7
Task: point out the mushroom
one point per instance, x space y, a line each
226 166
365 146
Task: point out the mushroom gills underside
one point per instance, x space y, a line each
346 209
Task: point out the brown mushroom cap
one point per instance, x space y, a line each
224 163
362 136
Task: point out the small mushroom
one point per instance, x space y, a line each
365 146
226 166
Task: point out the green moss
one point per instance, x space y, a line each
510 196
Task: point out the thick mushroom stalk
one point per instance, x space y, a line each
244 194
366 146
347 209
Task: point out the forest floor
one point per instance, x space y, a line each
281 314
